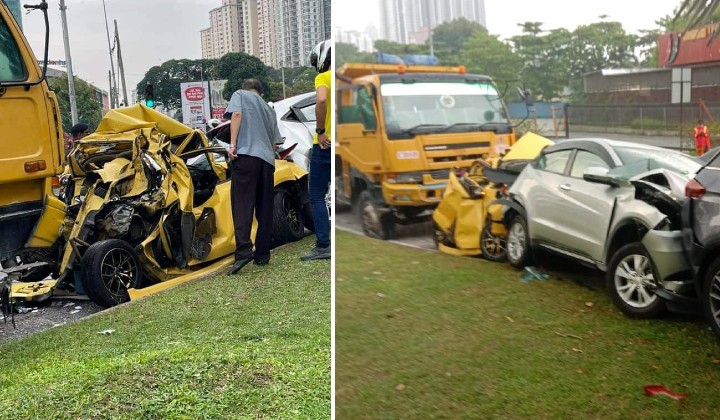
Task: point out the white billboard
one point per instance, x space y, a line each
217 102
195 100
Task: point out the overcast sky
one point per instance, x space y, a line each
151 32
503 15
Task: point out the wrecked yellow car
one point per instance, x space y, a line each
466 222
148 200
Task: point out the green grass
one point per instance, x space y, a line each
421 334
256 345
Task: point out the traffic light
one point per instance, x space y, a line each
149 96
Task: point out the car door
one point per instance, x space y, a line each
588 207
539 190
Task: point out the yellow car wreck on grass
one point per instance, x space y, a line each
148 206
467 222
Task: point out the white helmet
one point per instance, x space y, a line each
320 56
214 122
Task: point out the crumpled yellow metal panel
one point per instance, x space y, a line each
463 217
122 120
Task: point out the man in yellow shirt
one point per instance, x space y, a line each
321 152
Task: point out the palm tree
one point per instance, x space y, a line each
699 12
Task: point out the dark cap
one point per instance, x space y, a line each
78 128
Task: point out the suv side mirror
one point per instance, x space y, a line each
599 174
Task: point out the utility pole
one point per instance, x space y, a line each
70 76
120 65
282 70
113 84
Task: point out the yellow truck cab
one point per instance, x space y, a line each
401 129
32 151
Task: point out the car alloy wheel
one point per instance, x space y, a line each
518 243
493 247
632 282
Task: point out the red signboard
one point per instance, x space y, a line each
195 94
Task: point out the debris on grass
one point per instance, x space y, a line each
577 337
533 273
106 332
652 390
380 294
509 319
399 387
589 304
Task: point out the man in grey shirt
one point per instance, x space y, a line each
254 135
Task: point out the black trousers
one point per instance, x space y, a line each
252 192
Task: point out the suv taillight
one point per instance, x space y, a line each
694 189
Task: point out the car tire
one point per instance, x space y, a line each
710 296
109 268
630 279
287 223
493 247
518 249
374 223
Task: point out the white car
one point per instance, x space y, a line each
296 120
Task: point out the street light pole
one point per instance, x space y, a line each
68 59
113 85
282 70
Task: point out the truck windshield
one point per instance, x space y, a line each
11 65
458 106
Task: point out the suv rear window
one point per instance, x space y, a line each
11 65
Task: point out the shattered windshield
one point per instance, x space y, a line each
458 106
639 160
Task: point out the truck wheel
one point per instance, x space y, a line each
631 281
374 223
493 247
287 224
710 296
109 268
518 243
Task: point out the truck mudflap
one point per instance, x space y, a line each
666 251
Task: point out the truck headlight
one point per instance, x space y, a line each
406 178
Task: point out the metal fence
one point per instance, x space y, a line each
641 116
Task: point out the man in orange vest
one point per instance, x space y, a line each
702 138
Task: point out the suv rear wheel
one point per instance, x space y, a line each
631 282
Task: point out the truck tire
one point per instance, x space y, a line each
287 223
375 224
109 268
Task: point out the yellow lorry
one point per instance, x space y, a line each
32 154
401 129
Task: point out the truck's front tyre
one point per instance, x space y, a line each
375 223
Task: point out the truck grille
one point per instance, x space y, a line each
440 174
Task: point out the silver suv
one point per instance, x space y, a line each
612 205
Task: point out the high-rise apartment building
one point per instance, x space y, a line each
279 32
408 21
224 34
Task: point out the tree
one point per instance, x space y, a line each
545 65
697 13
348 53
396 48
89 108
449 38
167 77
237 67
486 54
